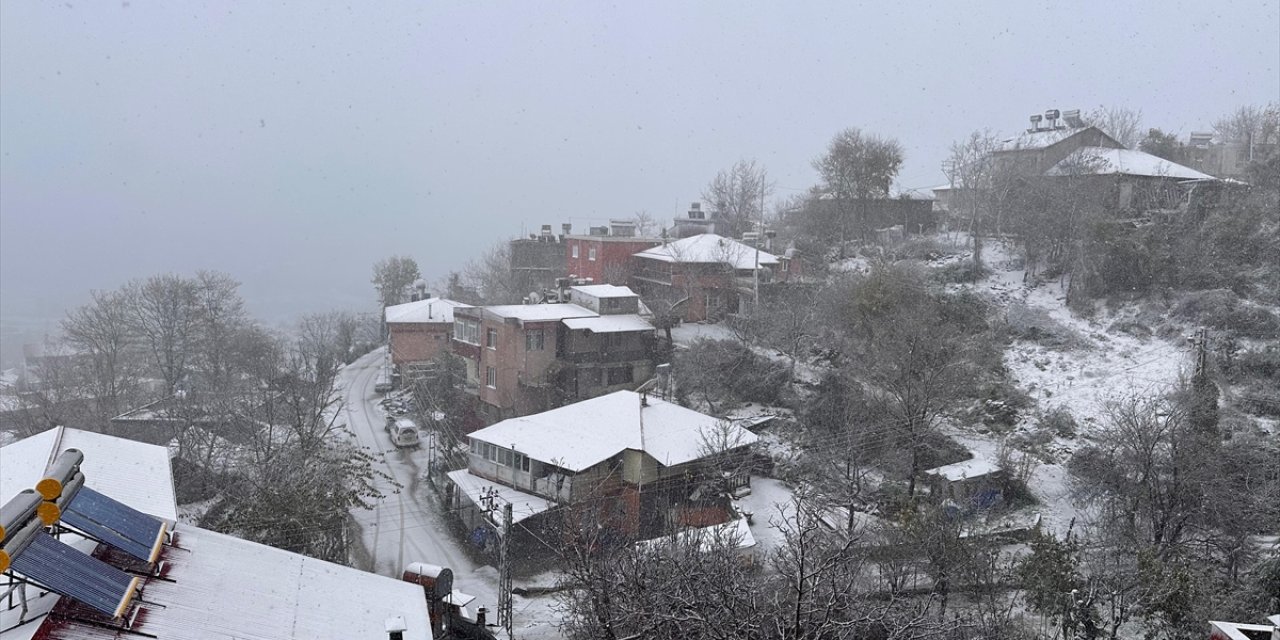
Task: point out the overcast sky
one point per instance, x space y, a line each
293 144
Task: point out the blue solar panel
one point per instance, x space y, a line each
76 575
116 524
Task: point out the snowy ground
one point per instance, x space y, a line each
687 332
1101 366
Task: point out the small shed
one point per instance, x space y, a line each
975 481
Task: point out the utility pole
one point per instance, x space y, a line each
1202 348
759 232
504 575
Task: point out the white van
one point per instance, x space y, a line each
403 432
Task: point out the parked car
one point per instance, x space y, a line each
403 431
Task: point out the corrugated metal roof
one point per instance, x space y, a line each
221 587
523 505
135 473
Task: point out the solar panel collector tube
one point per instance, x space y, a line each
17 511
18 542
63 469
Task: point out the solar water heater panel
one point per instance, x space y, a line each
115 523
73 574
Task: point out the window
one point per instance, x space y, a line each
491 377
491 338
467 331
534 340
574 249
591 253
614 339
618 375
521 462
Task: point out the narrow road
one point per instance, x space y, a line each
403 528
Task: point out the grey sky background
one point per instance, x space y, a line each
293 144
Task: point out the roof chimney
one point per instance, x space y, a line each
395 628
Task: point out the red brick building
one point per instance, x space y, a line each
703 276
604 256
418 331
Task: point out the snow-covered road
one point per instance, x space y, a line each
405 526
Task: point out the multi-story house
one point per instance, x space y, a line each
537 261
418 331
638 460
604 255
702 277
526 358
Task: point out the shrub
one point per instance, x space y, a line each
727 370
919 248
1222 309
1034 324
960 272
1059 422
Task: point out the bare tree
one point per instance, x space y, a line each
855 168
980 187
736 197
646 224
102 332
220 316
393 278
165 318
1250 125
921 349
1121 123
490 275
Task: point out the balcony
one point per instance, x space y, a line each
656 276
605 357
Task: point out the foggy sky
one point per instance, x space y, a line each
292 145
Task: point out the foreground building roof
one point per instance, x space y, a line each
204 585
135 473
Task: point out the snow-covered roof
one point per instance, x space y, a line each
135 473
1130 162
215 586
218 587
583 434
605 291
974 468
709 248
225 587
523 505
429 310
610 324
540 312
1038 139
